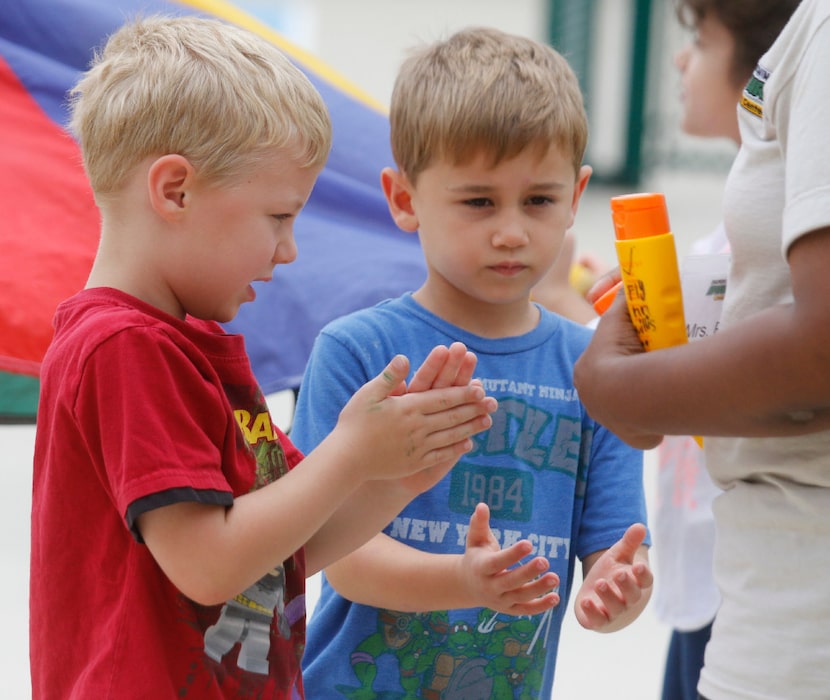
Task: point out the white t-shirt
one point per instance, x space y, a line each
771 638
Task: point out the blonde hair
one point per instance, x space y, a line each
483 90
215 93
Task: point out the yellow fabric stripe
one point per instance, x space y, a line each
231 13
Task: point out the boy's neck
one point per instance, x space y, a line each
487 320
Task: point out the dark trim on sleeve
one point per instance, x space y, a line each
168 498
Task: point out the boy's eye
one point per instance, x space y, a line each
539 200
281 217
478 202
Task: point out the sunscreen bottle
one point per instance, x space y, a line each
648 266
650 274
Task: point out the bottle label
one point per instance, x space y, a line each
651 281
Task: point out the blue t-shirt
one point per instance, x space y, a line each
548 472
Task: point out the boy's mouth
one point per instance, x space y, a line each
509 269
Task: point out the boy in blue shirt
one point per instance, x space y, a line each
488 133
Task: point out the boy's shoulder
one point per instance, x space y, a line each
93 317
379 316
403 322
574 332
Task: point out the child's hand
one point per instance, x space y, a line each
617 586
486 571
394 434
443 367
603 283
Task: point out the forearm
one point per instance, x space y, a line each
765 376
363 515
213 553
388 574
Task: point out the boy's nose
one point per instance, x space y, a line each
286 251
510 233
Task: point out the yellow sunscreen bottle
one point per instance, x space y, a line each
648 265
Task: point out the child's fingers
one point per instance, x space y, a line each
619 593
448 375
642 575
467 368
626 547
603 284
532 579
446 434
429 370
630 585
527 592
536 605
591 615
479 534
451 443
444 367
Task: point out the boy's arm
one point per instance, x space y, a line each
763 376
374 504
617 584
212 553
389 574
386 573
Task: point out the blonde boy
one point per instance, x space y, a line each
488 133
173 524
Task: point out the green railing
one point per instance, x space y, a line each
572 33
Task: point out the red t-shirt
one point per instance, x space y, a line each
140 410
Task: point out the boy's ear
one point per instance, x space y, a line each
398 193
169 181
582 178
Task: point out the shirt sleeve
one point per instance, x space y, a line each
614 494
802 128
153 419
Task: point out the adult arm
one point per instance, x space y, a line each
766 375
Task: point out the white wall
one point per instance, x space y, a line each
365 40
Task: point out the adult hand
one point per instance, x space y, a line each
600 375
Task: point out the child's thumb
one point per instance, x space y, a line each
631 541
393 376
479 529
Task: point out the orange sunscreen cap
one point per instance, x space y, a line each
639 215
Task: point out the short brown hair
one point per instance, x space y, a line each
484 90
